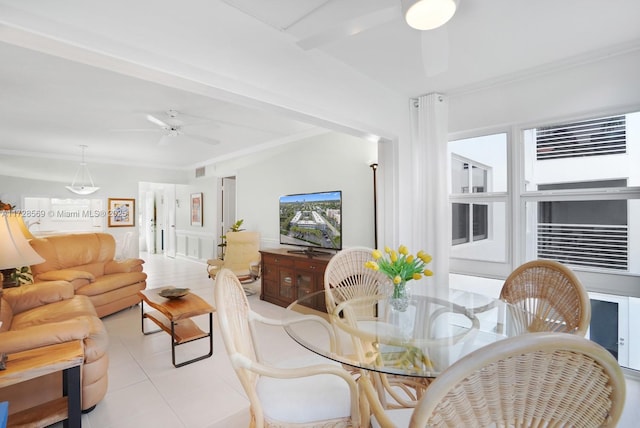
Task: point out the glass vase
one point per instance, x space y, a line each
399 298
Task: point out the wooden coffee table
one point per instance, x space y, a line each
174 317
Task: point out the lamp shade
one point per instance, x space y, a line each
428 14
23 227
15 250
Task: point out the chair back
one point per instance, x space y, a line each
346 277
551 295
234 318
243 249
537 379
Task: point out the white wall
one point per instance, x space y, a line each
197 242
323 163
39 178
609 85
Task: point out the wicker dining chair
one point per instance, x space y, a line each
289 393
538 379
551 295
347 278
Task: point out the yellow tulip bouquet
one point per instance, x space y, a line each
400 266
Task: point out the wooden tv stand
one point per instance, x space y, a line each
287 276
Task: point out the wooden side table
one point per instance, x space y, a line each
22 366
174 317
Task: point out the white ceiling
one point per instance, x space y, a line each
49 105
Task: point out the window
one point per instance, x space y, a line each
478 197
572 195
574 175
470 222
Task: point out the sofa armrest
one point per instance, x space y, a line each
30 296
43 335
123 266
65 275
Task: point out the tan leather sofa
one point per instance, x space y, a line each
87 261
36 315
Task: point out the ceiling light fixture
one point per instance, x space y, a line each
428 14
83 172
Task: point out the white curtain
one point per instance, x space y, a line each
430 202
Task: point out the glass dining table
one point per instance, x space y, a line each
416 345
425 339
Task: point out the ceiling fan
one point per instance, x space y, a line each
172 127
429 18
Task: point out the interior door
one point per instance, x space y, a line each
149 226
170 220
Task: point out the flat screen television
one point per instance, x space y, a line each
312 221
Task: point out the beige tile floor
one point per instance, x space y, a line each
145 390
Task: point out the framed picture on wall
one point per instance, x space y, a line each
196 209
122 212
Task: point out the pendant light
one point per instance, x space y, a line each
428 14
82 188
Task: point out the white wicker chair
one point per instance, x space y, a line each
347 278
551 295
538 379
282 395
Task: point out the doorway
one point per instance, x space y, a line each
227 205
158 227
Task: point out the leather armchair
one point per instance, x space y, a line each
242 256
37 315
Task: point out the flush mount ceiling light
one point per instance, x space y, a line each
82 188
428 14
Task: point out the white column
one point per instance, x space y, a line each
430 206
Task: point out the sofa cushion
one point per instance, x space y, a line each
63 310
69 251
39 335
120 266
34 295
95 269
65 275
111 282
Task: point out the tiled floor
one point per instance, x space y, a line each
146 390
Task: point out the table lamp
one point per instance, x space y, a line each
15 251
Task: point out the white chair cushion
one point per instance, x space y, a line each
307 399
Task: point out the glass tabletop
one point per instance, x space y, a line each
422 341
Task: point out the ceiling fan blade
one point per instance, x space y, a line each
157 121
205 140
351 27
199 139
435 51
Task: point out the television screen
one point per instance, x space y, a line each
312 220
